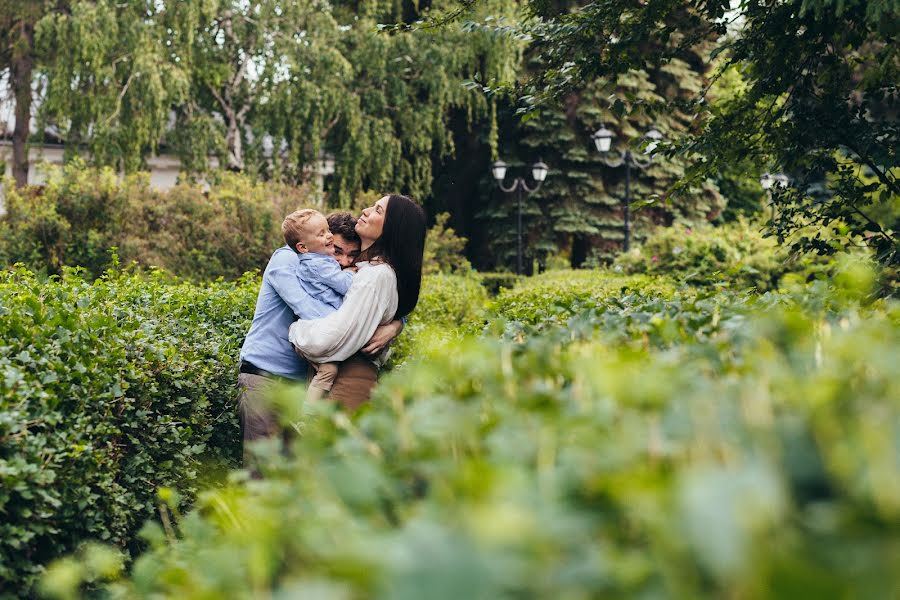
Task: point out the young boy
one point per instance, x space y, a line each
307 232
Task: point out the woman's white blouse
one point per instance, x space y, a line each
371 301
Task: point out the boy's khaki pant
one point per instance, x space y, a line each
323 380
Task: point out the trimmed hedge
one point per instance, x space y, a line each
449 306
495 282
108 390
557 295
112 389
753 460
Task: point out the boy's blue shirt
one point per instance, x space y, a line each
322 278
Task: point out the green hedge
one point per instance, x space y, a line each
495 282
734 255
108 390
115 388
449 307
557 295
755 460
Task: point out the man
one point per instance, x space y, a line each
267 355
346 240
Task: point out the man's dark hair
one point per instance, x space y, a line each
344 225
401 245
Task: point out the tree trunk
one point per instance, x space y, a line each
20 77
233 144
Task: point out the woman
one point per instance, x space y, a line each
386 287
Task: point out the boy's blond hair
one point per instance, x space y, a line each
292 227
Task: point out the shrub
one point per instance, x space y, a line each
557 295
495 282
108 391
450 301
735 254
83 212
540 469
449 306
444 250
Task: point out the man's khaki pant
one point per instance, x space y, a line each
258 421
352 387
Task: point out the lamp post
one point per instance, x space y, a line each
767 180
538 173
603 140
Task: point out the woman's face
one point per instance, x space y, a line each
371 223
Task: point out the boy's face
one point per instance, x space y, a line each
316 237
345 251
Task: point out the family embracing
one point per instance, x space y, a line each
331 301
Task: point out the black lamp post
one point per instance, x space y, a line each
539 174
603 140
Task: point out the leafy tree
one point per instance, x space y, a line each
268 85
383 105
239 55
112 75
820 96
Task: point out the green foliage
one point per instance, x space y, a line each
561 294
495 282
582 199
444 250
267 86
112 76
449 306
108 391
820 82
450 301
736 255
114 389
751 456
82 212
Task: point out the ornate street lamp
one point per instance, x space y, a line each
603 140
539 174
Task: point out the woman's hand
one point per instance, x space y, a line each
382 338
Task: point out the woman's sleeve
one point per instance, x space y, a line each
343 333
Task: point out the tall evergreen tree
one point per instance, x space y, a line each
579 209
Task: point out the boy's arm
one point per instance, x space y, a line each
330 273
282 274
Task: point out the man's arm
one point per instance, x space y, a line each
282 274
383 336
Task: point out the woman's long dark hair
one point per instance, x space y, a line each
401 245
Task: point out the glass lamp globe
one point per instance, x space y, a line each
603 138
499 170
